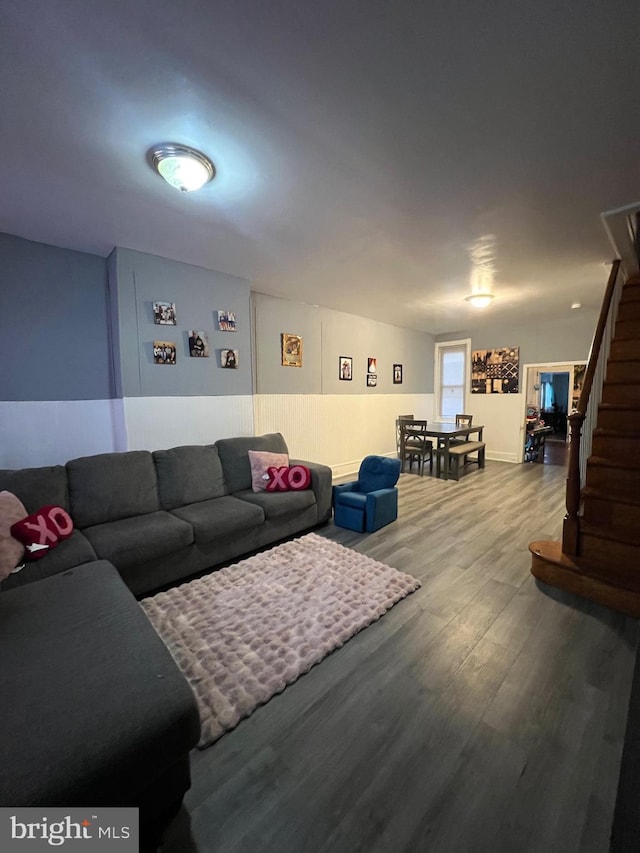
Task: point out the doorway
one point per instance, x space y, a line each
549 398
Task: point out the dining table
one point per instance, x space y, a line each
443 432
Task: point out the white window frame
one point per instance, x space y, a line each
437 379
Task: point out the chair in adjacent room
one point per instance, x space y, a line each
415 446
371 501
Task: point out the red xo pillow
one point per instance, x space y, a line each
40 532
294 479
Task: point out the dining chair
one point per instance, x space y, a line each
398 419
415 445
461 420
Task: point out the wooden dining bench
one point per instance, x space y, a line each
459 452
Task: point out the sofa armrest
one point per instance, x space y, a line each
382 508
321 483
341 488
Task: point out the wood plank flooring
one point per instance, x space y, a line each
482 713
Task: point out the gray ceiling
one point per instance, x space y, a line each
361 145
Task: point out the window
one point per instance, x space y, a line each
452 360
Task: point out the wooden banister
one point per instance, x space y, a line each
571 525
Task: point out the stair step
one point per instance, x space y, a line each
575 575
609 558
631 290
622 417
623 350
616 477
621 392
621 514
623 371
611 444
629 309
627 330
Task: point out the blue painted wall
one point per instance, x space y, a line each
53 323
136 281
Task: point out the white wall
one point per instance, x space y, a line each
336 429
157 422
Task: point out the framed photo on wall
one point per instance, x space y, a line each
495 371
291 350
372 365
397 374
198 344
372 380
164 352
227 321
345 368
229 358
164 313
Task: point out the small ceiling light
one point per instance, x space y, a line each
182 167
482 253
479 300
575 305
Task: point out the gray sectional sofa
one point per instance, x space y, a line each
164 515
96 711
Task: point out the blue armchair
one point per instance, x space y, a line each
371 501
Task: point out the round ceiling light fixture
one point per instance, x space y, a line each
182 167
479 300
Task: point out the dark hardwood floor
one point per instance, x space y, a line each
482 713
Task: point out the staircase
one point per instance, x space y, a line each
606 565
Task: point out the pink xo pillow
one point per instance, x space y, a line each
42 531
293 479
261 461
11 551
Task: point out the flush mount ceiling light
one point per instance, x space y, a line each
479 300
482 253
182 167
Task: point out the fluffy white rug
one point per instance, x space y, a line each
241 634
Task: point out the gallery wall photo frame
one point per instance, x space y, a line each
397 374
198 344
164 352
229 358
227 321
291 350
164 313
372 365
345 368
372 380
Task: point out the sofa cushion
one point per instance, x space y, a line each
188 474
37 486
234 455
71 552
95 705
220 517
11 549
129 541
278 504
110 486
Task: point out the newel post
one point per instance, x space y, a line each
571 525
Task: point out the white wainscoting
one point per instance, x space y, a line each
503 419
50 432
338 430
154 423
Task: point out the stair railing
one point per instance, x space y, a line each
582 420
